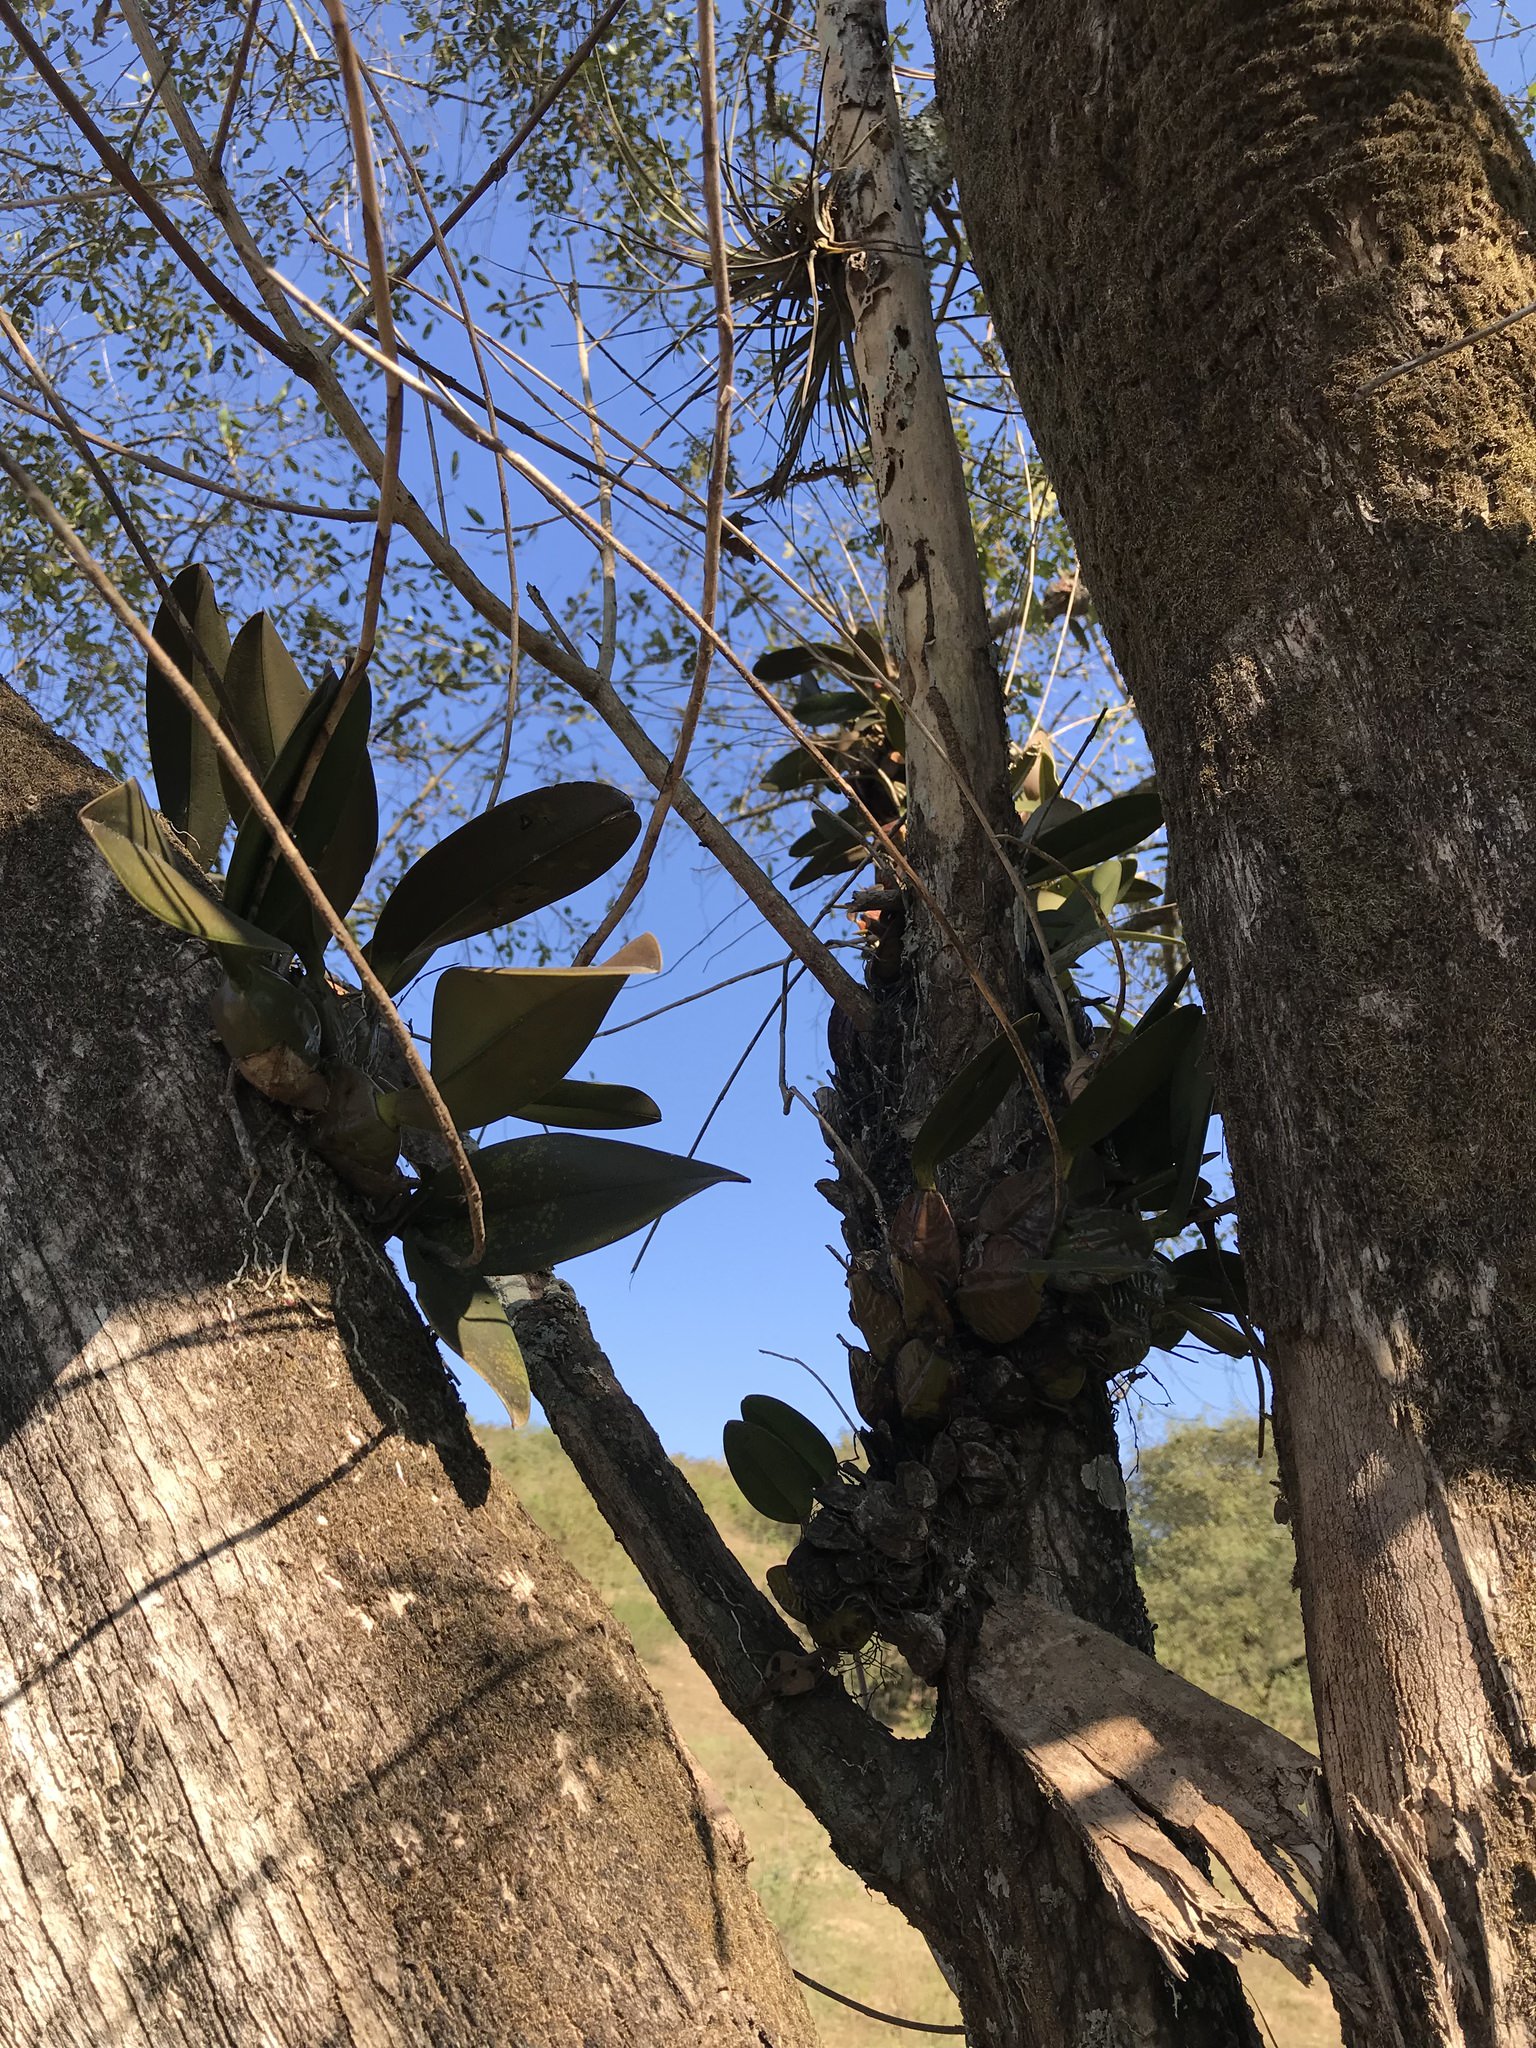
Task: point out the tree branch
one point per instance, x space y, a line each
873 1794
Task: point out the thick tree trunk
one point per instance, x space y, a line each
309 1737
1203 229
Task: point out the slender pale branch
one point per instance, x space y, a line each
384 321
719 466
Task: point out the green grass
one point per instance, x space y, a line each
831 1926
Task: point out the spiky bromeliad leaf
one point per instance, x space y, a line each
555 1196
265 697
794 1429
503 1036
772 1475
185 761
503 865
335 826
468 1316
130 840
969 1102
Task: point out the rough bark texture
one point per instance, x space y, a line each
1202 229
309 1737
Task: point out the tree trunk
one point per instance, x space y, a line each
310 1737
1203 230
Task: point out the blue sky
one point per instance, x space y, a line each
739 1271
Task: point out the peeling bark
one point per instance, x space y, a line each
1144 1764
1203 231
309 1736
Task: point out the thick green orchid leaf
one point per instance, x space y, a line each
1165 999
1072 930
792 771
772 1475
265 697
829 707
555 1196
786 664
502 1036
969 1102
131 841
1212 1279
592 1106
1127 1077
335 827
794 1429
183 756
834 842
256 1008
1212 1329
469 1318
1191 1098
1097 835
503 865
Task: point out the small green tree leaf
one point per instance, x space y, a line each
502 1036
503 865
265 697
469 1318
969 1102
129 838
772 1476
184 758
1126 1077
794 1429
555 1196
592 1106
1106 830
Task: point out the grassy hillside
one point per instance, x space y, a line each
832 1928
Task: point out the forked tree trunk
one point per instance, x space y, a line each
1203 229
1038 1952
309 1737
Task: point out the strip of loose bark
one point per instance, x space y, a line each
1145 1766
